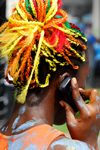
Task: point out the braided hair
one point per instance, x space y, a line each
38 30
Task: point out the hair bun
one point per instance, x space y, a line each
36 29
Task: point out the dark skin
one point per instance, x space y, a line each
54 110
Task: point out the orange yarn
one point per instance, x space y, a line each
13 25
74 67
77 41
24 9
13 14
55 22
39 10
45 7
29 66
3 26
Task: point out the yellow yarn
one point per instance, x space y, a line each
48 45
22 96
73 42
36 76
33 8
52 11
63 30
3 26
9 41
78 34
7 51
23 15
25 22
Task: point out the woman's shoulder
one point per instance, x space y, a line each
60 144
64 143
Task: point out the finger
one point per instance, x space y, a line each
91 94
85 93
82 107
70 117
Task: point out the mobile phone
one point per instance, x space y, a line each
65 88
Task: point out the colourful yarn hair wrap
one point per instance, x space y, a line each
36 29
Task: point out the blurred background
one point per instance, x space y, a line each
85 14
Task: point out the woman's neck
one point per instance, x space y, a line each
25 117
38 109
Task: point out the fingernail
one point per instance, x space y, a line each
61 103
74 80
80 89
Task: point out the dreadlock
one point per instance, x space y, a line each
38 30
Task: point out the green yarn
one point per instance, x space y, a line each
48 7
67 24
30 8
69 27
57 16
28 5
17 11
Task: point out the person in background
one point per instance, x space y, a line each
43 48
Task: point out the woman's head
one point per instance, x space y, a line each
39 40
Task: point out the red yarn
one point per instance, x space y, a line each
75 27
62 40
35 5
58 14
59 3
53 38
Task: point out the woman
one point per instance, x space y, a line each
43 48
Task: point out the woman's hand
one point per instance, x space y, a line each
86 127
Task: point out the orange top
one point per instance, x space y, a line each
37 138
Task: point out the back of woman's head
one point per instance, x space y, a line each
37 40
